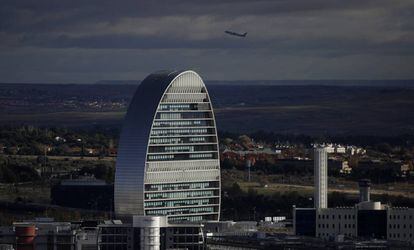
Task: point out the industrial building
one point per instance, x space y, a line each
366 220
42 233
168 159
149 232
143 232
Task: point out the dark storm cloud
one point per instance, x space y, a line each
326 47
33 15
326 32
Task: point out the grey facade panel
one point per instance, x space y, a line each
130 165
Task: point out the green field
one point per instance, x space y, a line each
64 118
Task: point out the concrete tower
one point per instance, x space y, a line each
321 177
364 188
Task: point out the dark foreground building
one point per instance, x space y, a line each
147 232
143 232
89 194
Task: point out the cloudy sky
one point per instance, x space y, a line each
87 41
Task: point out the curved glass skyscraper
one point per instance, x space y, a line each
168 159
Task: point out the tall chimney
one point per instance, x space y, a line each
320 161
364 187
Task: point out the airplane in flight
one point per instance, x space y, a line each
235 33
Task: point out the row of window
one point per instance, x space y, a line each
182 176
183 115
180 157
177 106
181 168
187 84
173 211
183 165
173 195
397 217
178 203
182 148
333 225
189 218
334 234
201 156
184 230
187 106
397 235
178 140
160 157
114 238
180 186
346 216
183 123
186 90
397 226
117 246
177 149
191 240
114 230
188 131
185 97
201 139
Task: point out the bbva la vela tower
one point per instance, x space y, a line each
168 159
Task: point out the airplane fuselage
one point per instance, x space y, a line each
235 33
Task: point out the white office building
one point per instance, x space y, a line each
168 160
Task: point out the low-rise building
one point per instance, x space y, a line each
229 228
345 168
400 224
139 232
366 220
149 232
39 234
84 193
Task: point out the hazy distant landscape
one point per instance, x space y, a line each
303 107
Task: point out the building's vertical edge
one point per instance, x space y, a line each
218 148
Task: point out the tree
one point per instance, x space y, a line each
384 148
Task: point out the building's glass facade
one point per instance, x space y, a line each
182 172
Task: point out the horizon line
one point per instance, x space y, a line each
232 82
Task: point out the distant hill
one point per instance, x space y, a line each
384 83
394 83
302 109
118 82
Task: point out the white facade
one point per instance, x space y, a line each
168 160
150 228
321 177
331 222
340 150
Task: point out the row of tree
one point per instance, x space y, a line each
29 140
378 172
249 205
